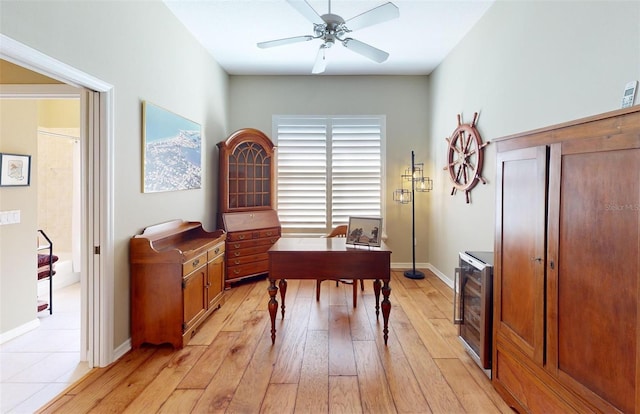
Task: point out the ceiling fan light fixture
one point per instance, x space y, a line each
330 27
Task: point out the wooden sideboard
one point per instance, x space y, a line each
246 211
177 281
567 274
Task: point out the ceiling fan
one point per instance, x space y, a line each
331 28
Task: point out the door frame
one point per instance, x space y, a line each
97 110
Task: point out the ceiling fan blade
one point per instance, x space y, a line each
321 60
285 41
306 10
365 50
380 14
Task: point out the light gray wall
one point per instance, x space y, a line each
525 65
141 49
404 101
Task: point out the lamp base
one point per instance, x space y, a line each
414 274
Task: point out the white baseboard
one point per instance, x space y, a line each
429 266
441 276
22 329
121 350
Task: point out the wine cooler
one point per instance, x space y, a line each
473 305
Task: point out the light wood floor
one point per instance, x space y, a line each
328 357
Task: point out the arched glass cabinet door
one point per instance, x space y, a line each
246 171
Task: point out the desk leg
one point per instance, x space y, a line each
376 291
273 307
386 309
283 293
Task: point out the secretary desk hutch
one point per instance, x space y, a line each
246 213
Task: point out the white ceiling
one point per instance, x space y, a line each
423 35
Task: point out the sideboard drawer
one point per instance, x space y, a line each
217 250
194 263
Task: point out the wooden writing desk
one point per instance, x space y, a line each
327 259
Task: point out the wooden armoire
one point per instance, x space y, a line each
567 266
246 213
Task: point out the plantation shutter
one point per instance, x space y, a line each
356 169
328 169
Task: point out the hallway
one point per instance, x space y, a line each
37 366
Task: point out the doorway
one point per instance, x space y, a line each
96 99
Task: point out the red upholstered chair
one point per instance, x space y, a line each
341 231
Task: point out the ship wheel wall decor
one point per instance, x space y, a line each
464 157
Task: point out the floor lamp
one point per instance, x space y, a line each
419 183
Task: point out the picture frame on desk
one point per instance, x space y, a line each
364 231
15 170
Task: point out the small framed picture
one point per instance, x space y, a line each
365 231
15 170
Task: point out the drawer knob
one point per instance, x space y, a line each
236 246
241 237
236 254
195 262
236 262
217 250
236 271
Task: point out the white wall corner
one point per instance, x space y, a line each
440 275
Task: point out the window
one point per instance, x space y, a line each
328 169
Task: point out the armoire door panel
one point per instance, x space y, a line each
588 357
522 177
598 273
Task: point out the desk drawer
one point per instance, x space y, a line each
253 234
249 251
254 268
194 263
237 245
270 233
243 259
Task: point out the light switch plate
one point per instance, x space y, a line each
9 217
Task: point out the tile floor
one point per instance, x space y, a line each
39 365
